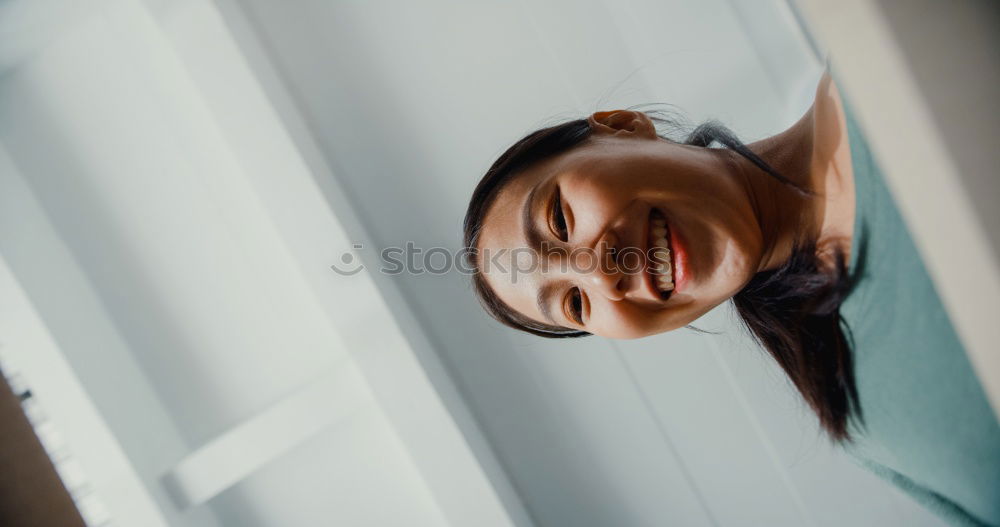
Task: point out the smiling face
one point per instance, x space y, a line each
624 235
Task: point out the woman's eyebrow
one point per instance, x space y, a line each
531 234
542 299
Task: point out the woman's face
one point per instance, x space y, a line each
570 241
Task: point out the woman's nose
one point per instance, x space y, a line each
609 283
600 273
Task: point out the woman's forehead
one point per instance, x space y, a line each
505 260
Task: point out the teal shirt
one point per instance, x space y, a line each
927 426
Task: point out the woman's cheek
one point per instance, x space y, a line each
625 321
606 320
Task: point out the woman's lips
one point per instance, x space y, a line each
681 262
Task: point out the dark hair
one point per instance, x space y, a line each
792 311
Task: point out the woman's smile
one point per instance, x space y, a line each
679 263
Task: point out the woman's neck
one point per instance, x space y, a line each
814 154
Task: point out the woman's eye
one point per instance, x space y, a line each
558 218
574 306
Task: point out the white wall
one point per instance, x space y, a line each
411 102
176 248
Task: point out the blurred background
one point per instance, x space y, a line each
178 176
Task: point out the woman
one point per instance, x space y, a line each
601 226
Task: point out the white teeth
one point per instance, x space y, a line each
659 262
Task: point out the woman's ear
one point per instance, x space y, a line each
622 122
